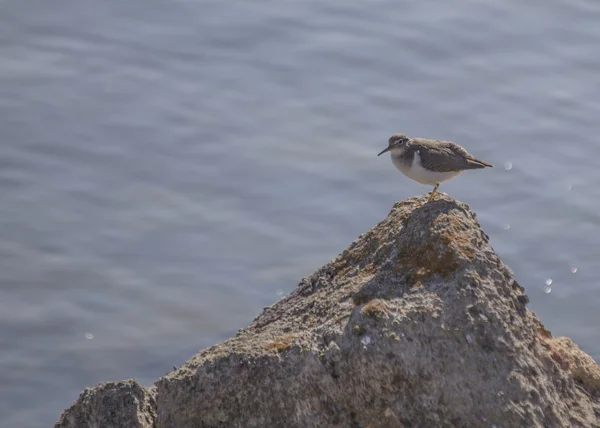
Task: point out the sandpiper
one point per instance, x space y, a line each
430 161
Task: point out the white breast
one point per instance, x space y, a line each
420 174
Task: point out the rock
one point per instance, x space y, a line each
112 405
583 368
417 323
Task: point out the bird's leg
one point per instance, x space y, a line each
433 193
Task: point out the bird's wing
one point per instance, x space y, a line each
445 156
442 156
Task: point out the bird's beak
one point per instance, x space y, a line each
385 150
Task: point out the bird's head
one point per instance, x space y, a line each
395 141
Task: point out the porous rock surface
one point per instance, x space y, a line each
112 405
417 324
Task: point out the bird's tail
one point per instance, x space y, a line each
476 163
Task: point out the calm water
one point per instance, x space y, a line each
167 169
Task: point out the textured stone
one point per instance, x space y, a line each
583 367
417 323
112 405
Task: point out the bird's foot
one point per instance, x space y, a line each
433 192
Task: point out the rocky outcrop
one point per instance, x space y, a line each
112 405
417 323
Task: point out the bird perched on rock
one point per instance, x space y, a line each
430 161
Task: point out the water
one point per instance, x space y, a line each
169 168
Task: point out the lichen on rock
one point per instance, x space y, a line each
417 323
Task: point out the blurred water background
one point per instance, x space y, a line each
167 169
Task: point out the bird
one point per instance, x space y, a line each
430 162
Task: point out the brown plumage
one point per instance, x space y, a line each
444 156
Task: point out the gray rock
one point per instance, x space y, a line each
417 323
112 405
